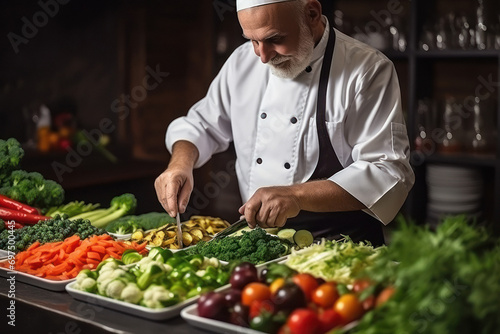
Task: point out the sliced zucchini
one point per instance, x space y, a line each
303 238
287 234
271 230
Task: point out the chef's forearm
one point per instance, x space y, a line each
325 196
184 155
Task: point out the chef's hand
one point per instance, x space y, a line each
175 184
270 207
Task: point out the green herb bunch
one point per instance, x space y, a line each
447 281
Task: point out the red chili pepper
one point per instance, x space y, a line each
7 202
18 226
13 225
21 217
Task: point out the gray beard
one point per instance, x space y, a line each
295 65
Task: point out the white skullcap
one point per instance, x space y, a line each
244 4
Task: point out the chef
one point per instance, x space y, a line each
316 121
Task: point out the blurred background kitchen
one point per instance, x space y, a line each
89 88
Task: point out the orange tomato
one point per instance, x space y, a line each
255 291
349 307
325 295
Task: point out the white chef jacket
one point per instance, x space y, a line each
272 124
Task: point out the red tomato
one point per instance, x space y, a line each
325 295
384 295
349 307
360 285
306 282
329 319
255 291
303 321
258 305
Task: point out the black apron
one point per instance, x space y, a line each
358 225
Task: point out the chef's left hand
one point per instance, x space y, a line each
270 207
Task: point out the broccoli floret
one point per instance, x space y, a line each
31 188
120 206
11 154
123 225
255 246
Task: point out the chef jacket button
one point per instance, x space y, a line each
309 69
293 120
259 161
263 115
287 165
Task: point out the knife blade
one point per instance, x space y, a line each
231 229
179 230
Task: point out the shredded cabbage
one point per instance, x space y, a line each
338 261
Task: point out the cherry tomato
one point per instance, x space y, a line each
325 295
329 319
306 282
384 295
303 321
255 291
369 302
349 307
276 284
257 306
360 285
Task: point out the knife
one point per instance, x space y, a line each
179 230
231 229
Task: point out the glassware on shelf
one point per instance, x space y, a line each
481 28
465 33
441 35
480 31
483 132
427 39
452 123
385 33
426 112
397 35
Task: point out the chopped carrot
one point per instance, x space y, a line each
98 249
34 245
94 255
63 260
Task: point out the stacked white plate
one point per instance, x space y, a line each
452 190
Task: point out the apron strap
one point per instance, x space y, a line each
328 163
332 225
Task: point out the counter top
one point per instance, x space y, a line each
42 311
